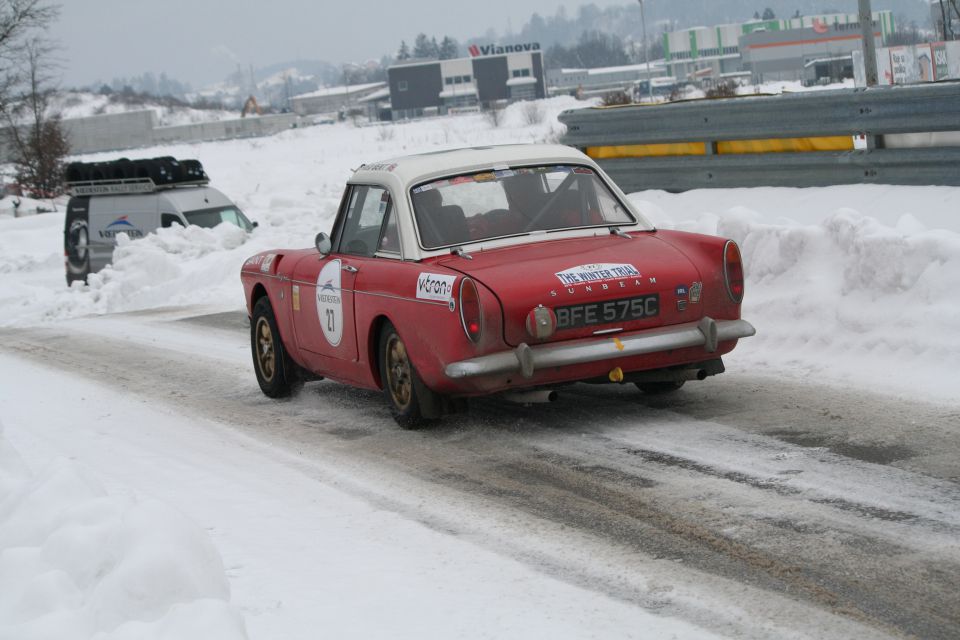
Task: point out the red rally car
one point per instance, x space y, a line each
513 268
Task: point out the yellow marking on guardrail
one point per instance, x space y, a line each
724 147
782 145
648 150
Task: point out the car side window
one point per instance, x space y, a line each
369 207
168 220
390 237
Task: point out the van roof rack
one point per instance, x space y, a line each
124 176
126 187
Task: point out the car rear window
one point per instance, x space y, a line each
515 201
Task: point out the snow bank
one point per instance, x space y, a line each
77 562
846 298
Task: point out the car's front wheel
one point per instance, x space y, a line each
412 404
276 373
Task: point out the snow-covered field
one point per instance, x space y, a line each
848 286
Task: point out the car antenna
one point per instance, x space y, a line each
617 231
458 251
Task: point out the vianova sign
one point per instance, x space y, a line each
497 50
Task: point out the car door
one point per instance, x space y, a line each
323 288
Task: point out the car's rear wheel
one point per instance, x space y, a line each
412 404
659 388
277 374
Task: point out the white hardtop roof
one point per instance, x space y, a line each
416 168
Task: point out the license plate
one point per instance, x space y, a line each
607 311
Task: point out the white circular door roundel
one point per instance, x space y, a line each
330 302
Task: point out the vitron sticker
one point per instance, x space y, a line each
433 286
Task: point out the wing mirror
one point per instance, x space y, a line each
323 244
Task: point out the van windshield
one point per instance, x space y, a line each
215 215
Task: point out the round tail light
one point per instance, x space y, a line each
471 313
733 271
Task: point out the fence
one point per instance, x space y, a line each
911 136
133 129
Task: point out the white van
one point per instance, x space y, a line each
101 209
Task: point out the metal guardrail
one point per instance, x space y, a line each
641 147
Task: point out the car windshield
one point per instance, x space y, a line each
216 215
499 203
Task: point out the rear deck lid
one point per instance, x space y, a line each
597 284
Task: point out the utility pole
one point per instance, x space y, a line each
646 52
869 46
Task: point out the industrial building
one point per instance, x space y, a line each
586 82
779 49
821 51
329 100
428 87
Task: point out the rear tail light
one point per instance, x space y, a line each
471 314
733 271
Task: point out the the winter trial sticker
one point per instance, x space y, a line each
588 273
433 286
330 302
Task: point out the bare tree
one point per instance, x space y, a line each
18 20
949 9
34 135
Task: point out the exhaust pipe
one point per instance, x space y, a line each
537 396
668 376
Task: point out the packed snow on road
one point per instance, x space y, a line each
148 490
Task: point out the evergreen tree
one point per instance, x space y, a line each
404 52
768 14
424 48
449 48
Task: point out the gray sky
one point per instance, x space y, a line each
201 41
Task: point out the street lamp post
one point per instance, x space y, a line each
869 46
646 52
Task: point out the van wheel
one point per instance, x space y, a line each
76 241
412 404
277 374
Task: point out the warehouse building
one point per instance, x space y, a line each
821 52
587 82
331 100
492 75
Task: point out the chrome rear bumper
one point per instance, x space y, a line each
526 359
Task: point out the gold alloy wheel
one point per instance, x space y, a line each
399 373
266 360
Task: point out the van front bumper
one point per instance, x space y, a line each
526 359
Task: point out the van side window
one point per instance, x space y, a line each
168 220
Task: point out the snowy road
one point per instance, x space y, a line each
740 507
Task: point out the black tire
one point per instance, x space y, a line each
277 375
76 241
411 403
659 388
